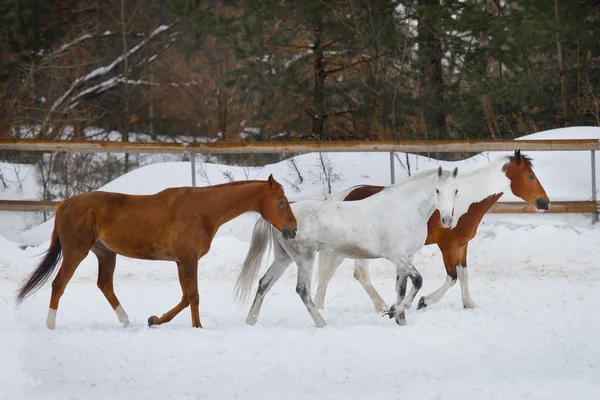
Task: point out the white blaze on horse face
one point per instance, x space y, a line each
446 191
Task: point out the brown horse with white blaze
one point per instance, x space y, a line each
478 191
176 224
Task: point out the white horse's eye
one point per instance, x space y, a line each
437 191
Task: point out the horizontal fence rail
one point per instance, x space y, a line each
442 146
560 207
413 146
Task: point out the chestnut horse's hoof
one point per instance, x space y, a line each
152 320
422 303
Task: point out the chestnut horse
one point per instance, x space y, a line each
176 224
479 190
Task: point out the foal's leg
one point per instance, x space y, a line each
73 254
305 266
361 274
328 264
280 263
106 270
461 270
449 255
169 315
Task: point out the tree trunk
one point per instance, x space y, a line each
319 112
430 68
561 66
125 126
494 66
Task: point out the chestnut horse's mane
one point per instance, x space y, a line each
518 156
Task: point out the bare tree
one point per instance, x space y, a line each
561 65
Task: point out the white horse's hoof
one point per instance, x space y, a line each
469 305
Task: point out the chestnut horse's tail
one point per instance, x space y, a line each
262 235
44 269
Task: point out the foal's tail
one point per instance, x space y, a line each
262 235
44 269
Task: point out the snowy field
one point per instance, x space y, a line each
536 279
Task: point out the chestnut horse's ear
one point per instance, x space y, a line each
518 154
272 182
455 171
439 171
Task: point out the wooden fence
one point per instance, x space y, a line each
415 146
442 146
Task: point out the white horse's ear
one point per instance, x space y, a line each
455 171
439 171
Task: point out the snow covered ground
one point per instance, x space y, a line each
534 335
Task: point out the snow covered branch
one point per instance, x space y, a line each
103 70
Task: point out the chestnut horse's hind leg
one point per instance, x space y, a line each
106 270
188 279
71 260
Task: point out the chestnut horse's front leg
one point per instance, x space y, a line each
463 278
450 255
188 279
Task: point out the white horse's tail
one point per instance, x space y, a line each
262 235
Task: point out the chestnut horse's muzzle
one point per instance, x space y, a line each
289 233
542 203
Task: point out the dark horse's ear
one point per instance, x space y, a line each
518 154
439 171
455 171
272 182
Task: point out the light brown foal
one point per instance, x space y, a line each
176 224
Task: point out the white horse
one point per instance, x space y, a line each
479 190
391 224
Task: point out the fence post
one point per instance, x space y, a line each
193 163
595 215
392 168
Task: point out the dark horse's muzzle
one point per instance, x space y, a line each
542 204
289 233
